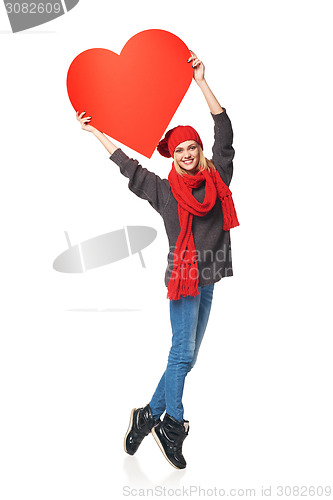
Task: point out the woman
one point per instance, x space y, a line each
198 212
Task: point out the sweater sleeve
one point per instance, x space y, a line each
223 152
145 184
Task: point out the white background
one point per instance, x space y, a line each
259 400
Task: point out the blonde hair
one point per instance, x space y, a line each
204 164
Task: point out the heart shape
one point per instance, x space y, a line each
133 96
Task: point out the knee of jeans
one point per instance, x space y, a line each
194 360
185 357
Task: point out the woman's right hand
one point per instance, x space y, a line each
84 120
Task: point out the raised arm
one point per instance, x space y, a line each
142 182
199 77
223 152
85 125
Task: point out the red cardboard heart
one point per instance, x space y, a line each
133 96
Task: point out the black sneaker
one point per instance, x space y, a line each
141 423
169 435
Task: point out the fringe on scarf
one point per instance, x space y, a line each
182 281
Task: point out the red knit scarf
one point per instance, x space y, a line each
185 276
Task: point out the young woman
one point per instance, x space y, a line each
198 212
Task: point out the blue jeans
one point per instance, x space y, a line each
189 317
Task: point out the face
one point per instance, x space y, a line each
187 155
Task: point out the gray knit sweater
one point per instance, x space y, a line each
211 242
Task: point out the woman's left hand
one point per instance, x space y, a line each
199 68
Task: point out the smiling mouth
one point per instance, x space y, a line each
188 162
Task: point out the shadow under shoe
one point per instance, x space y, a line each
141 423
169 435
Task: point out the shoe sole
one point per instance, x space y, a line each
162 449
129 429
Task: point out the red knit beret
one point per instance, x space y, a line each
166 147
